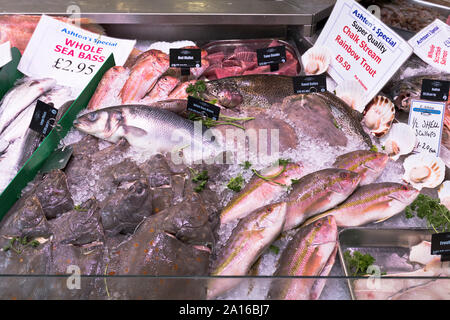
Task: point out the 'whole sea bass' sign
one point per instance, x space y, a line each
69 54
364 49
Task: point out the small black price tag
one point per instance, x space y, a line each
44 118
310 84
435 90
271 55
203 108
185 58
440 245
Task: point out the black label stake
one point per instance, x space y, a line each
440 245
185 59
44 118
272 56
203 108
435 90
310 84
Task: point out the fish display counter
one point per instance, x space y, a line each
221 180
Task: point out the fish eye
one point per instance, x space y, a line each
344 175
119 116
139 189
92 116
404 188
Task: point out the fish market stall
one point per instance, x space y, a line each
252 150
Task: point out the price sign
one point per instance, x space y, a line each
308 84
203 108
69 54
426 118
432 45
364 48
271 56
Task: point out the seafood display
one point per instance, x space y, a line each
150 197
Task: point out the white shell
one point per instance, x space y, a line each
444 193
424 170
378 116
401 139
351 92
316 60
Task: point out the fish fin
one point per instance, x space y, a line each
134 131
382 219
315 218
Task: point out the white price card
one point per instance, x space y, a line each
69 54
426 118
432 45
363 48
5 53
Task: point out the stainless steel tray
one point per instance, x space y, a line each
228 46
389 247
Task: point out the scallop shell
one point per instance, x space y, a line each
316 60
400 140
351 92
444 193
424 170
378 115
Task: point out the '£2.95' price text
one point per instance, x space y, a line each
67 65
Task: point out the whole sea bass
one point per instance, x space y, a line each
20 97
18 141
259 192
318 192
368 164
371 203
249 239
311 252
150 129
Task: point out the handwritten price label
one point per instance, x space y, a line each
69 54
432 44
426 118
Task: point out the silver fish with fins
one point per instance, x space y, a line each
151 129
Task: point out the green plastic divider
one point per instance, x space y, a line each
29 170
9 73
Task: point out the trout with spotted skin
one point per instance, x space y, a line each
371 203
259 192
368 164
249 239
318 192
312 253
